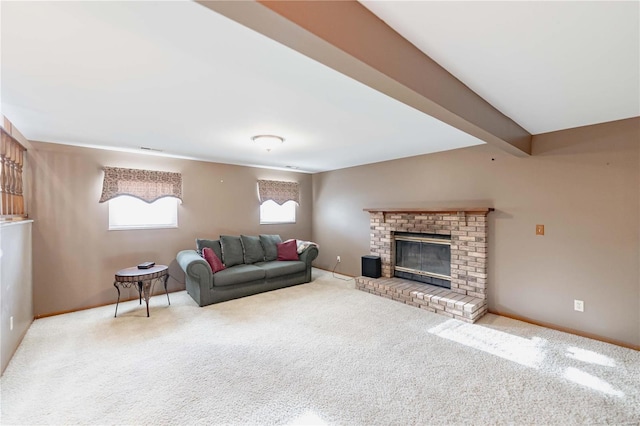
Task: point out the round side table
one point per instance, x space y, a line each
143 279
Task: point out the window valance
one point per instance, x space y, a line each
147 185
278 191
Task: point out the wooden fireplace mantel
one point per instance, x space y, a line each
476 210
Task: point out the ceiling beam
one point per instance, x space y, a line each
346 36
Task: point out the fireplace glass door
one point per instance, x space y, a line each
424 258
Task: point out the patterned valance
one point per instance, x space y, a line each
147 185
278 191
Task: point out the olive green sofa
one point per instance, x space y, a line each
251 267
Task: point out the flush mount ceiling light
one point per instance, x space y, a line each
268 142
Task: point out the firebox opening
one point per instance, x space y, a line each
423 257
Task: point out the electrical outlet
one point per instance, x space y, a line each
338 259
578 305
10 323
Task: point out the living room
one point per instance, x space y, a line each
581 183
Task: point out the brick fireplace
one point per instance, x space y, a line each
467 298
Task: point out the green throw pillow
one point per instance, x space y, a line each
253 251
231 250
212 244
269 244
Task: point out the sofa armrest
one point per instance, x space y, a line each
308 255
195 267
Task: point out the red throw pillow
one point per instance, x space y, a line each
288 250
213 260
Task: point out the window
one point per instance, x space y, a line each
278 201
272 212
141 199
132 213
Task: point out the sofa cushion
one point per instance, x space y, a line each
213 260
288 250
231 250
281 268
212 244
269 244
252 249
239 274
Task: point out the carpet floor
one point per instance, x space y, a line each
320 353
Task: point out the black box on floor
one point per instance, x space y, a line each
371 266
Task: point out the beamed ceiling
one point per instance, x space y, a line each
345 83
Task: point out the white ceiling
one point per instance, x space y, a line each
178 77
547 65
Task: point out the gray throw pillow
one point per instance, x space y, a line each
253 251
269 243
212 244
231 250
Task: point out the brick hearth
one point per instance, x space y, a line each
467 298
429 297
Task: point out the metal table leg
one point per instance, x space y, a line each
146 286
166 278
115 284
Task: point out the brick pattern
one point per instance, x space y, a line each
425 296
468 231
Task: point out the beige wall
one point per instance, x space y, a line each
16 284
582 184
75 256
